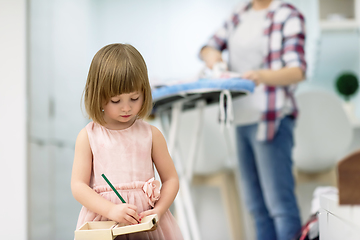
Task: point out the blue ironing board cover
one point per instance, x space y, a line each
208 89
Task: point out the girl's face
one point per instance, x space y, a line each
121 111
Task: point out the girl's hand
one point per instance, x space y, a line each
150 212
253 76
124 213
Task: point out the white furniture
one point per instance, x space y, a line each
339 14
323 132
355 123
338 221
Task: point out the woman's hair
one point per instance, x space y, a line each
114 70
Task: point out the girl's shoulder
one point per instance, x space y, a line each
93 127
156 133
90 130
142 124
90 125
82 137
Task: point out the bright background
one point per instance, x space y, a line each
46 47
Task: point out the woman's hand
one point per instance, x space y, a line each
124 213
253 76
210 56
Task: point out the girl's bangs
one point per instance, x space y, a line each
124 81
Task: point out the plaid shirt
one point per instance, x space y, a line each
284 34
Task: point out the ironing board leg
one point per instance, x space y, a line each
185 192
200 105
183 202
181 217
169 131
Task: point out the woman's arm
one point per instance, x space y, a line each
211 52
281 77
167 173
293 55
80 180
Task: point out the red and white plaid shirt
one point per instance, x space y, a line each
284 33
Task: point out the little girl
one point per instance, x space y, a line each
119 144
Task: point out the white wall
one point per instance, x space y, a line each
169 34
13 119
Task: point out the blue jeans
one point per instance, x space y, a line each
267 182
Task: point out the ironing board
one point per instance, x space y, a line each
169 103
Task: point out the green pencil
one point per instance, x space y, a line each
112 187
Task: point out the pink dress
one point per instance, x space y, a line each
124 156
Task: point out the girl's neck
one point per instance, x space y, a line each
260 4
115 125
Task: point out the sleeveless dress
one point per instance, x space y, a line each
124 156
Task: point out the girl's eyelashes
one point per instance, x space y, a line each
132 99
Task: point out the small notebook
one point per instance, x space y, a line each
108 230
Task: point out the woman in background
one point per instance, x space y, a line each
265 40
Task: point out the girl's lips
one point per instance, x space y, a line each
125 116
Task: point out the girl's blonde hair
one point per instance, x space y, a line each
114 70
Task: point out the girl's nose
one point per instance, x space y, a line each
125 107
